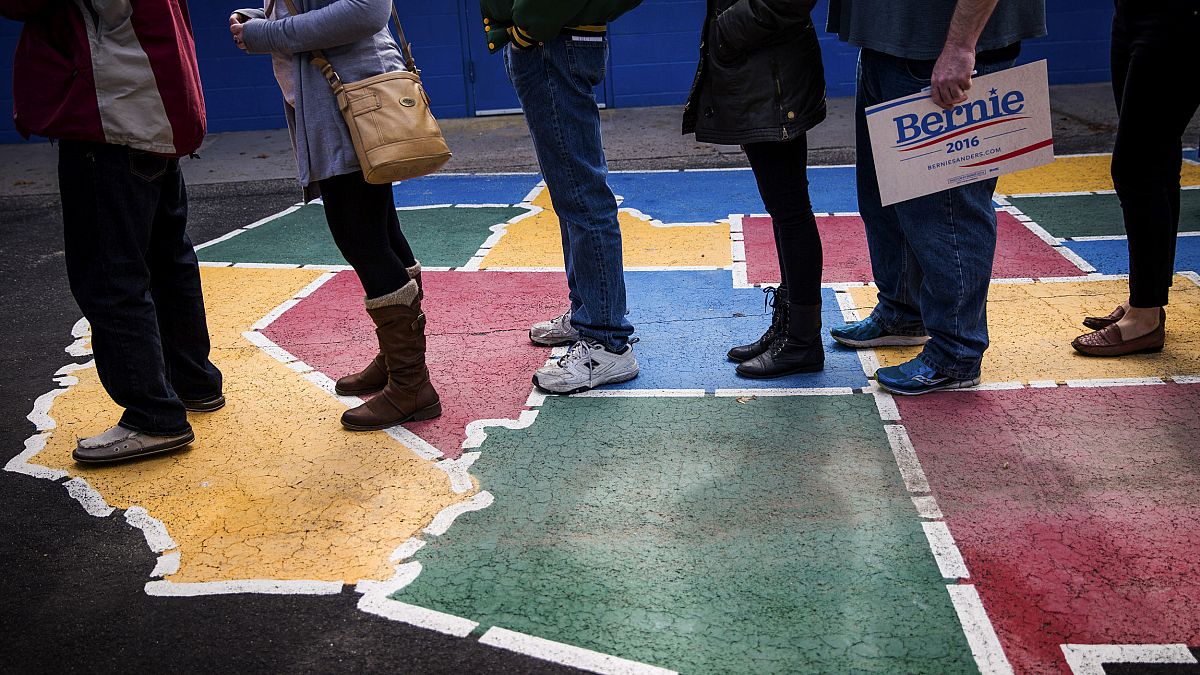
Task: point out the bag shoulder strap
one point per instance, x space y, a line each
322 63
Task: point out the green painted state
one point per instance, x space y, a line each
702 535
1096 215
441 237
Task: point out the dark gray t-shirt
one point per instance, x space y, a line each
916 29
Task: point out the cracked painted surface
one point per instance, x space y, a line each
1019 252
1076 510
1032 326
701 534
804 524
535 242
1096 215
272 488
445 237
1078 173
1112 257
480 358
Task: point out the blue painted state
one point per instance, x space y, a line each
686 322
1112 257
1193 154
673 197
706 196
474 189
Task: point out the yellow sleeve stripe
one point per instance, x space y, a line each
520 37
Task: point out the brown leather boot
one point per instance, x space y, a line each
374 377
369 380
409 395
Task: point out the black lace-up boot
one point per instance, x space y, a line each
797 349
777 300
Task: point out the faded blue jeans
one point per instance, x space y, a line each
555 84
931 256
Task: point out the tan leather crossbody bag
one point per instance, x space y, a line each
395 135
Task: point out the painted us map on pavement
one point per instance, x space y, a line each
689 520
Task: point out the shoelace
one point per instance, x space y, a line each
771 296
583 349
579 351
563 320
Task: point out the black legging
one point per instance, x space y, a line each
362 219
781 170
1154 66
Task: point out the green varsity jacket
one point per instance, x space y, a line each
528 22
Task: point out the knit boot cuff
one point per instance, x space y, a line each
414 270
405 295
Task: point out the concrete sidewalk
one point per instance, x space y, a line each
636 138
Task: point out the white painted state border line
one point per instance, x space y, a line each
163 588
1090 659
981 635
567 655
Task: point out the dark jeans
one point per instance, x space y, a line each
362 218
781 170
555 84
133 272
1154 70
932 255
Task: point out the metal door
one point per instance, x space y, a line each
491 92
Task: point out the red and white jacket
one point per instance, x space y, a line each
112 71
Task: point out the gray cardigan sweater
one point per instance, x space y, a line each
355 38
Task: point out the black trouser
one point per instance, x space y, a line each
1155 67
134 274
781 170
362 218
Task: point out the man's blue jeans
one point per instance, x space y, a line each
931 256
555 84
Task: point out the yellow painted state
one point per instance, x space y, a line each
1032 326
273 488
1073 174
535 242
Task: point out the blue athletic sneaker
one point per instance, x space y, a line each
914 378
869 333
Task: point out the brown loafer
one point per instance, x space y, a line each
1098 322
119 444
1108 342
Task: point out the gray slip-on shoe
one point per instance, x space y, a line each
119 444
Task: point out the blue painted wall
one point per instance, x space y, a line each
653 57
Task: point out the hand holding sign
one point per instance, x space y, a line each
921 148
952 77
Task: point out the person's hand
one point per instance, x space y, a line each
236 28
952 76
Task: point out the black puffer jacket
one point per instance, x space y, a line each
760 76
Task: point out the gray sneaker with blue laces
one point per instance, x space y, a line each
585 366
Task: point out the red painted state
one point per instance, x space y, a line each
480 357
1019 252
1076 510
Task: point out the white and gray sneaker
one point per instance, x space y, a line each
585 366
555 332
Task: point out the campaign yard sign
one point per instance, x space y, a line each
1002 127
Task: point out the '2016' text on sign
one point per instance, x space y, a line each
1003 126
